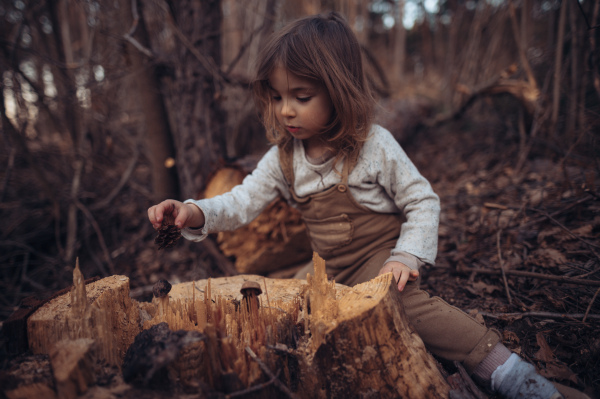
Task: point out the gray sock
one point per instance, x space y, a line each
517 379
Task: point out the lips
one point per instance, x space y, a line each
292 129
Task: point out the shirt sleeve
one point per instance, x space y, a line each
244 202
414 197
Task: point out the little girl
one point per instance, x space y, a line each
367 209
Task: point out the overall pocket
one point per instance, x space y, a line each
331 233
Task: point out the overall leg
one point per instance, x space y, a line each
447 331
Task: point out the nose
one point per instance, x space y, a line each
287 110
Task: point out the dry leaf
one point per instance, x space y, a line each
547 257
559 371
480 288
545 353
584 231
509 336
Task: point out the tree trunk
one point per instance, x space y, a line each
193 94
157 132
399 49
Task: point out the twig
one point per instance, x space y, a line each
587 311
502 267
128 36
549 315
268 372
586 18
564 279
564 228
532 222
254 388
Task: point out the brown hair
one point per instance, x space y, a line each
322 48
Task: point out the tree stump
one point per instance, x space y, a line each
306 338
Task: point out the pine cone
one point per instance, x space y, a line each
168 234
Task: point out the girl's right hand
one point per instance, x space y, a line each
184 215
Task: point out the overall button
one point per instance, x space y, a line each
342 188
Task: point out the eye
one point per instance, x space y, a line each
303 99
276 98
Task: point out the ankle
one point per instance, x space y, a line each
494 359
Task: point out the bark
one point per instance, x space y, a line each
193 94
156 124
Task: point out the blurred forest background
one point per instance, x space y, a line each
111 106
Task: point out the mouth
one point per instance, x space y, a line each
292 129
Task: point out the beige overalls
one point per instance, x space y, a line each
355 242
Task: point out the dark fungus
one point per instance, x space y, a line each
161 289
251 288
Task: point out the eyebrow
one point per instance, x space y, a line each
296 89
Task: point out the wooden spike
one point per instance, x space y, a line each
78 294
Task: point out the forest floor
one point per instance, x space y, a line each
541 218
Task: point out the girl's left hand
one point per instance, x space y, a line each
402 273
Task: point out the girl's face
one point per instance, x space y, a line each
302 106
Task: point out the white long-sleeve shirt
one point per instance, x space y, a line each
384 180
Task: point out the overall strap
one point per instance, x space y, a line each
346 171
286 159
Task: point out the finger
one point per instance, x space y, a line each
152 217
414 274
402 281
159 213
181 215
385 269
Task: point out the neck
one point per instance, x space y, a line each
316 151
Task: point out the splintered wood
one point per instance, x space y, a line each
344 341
102 311
315 337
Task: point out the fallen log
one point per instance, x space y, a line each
275 240
246 333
